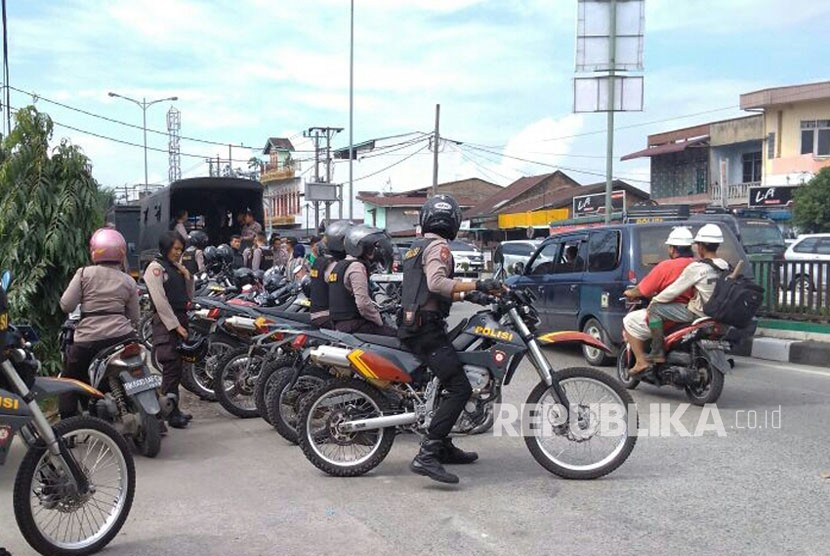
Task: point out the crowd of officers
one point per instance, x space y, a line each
338 269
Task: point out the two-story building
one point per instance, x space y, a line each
283 189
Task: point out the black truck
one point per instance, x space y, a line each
213 205
125 219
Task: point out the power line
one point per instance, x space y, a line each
479 166
401 161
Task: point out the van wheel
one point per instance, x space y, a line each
595 357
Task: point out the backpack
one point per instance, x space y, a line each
736 299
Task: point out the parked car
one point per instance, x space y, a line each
508 253
468 258
808 248
579 276
758 236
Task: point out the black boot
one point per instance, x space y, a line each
453 455
427 462
175 419
658 351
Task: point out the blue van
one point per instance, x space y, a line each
579 276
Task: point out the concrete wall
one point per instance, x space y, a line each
785 122
738 130
734 154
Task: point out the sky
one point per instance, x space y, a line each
501 70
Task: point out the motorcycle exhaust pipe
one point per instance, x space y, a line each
330 356
379 422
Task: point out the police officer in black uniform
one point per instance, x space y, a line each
330 251
427 294
170 286
351 306
193 258
236 245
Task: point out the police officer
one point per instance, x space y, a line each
238 258
170 286
193 258
260 256
428 293
351 307
330 251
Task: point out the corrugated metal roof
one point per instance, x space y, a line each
667 148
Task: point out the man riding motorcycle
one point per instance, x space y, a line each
428 292
700 275
635 323
109 308
350 305
332 250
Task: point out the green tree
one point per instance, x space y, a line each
49 206
811 208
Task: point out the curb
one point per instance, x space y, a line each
807 352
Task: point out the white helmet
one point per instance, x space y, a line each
709 233
680 236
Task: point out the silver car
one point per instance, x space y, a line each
508 253
808 248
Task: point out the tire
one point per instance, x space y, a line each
592 377
145 331
266 380
624 362
198 377
384 438
283 407
25 496
234 383
594 356
710 392
148 442
802 283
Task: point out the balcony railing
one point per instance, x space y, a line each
736 193
275 172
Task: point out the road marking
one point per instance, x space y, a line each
781 366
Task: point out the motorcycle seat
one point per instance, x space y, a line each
386 341
278 313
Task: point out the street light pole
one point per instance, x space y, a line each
144 105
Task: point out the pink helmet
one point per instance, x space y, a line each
107 246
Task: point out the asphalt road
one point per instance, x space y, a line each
231 486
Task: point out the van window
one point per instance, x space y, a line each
543 262
571 257
603 250
521 249
652 243
760 233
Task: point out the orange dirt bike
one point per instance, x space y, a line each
347 426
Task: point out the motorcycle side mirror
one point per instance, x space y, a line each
6 279
518 268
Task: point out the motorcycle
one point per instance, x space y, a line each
347 426
130 399
75 486
696 358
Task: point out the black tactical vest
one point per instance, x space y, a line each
189 261
266 260
238 261
342 305
175 287
415 292
319 287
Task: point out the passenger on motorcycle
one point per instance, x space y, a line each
193 258
428 292
350 303
171 287
331 250
109 308
635 323
700 275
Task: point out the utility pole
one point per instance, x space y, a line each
436 140
609 154
317 134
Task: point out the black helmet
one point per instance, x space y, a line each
370 244
210 255
197 239
335 237
243 277
305 286
225 253
441 215
193 349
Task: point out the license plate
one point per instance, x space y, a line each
142 384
